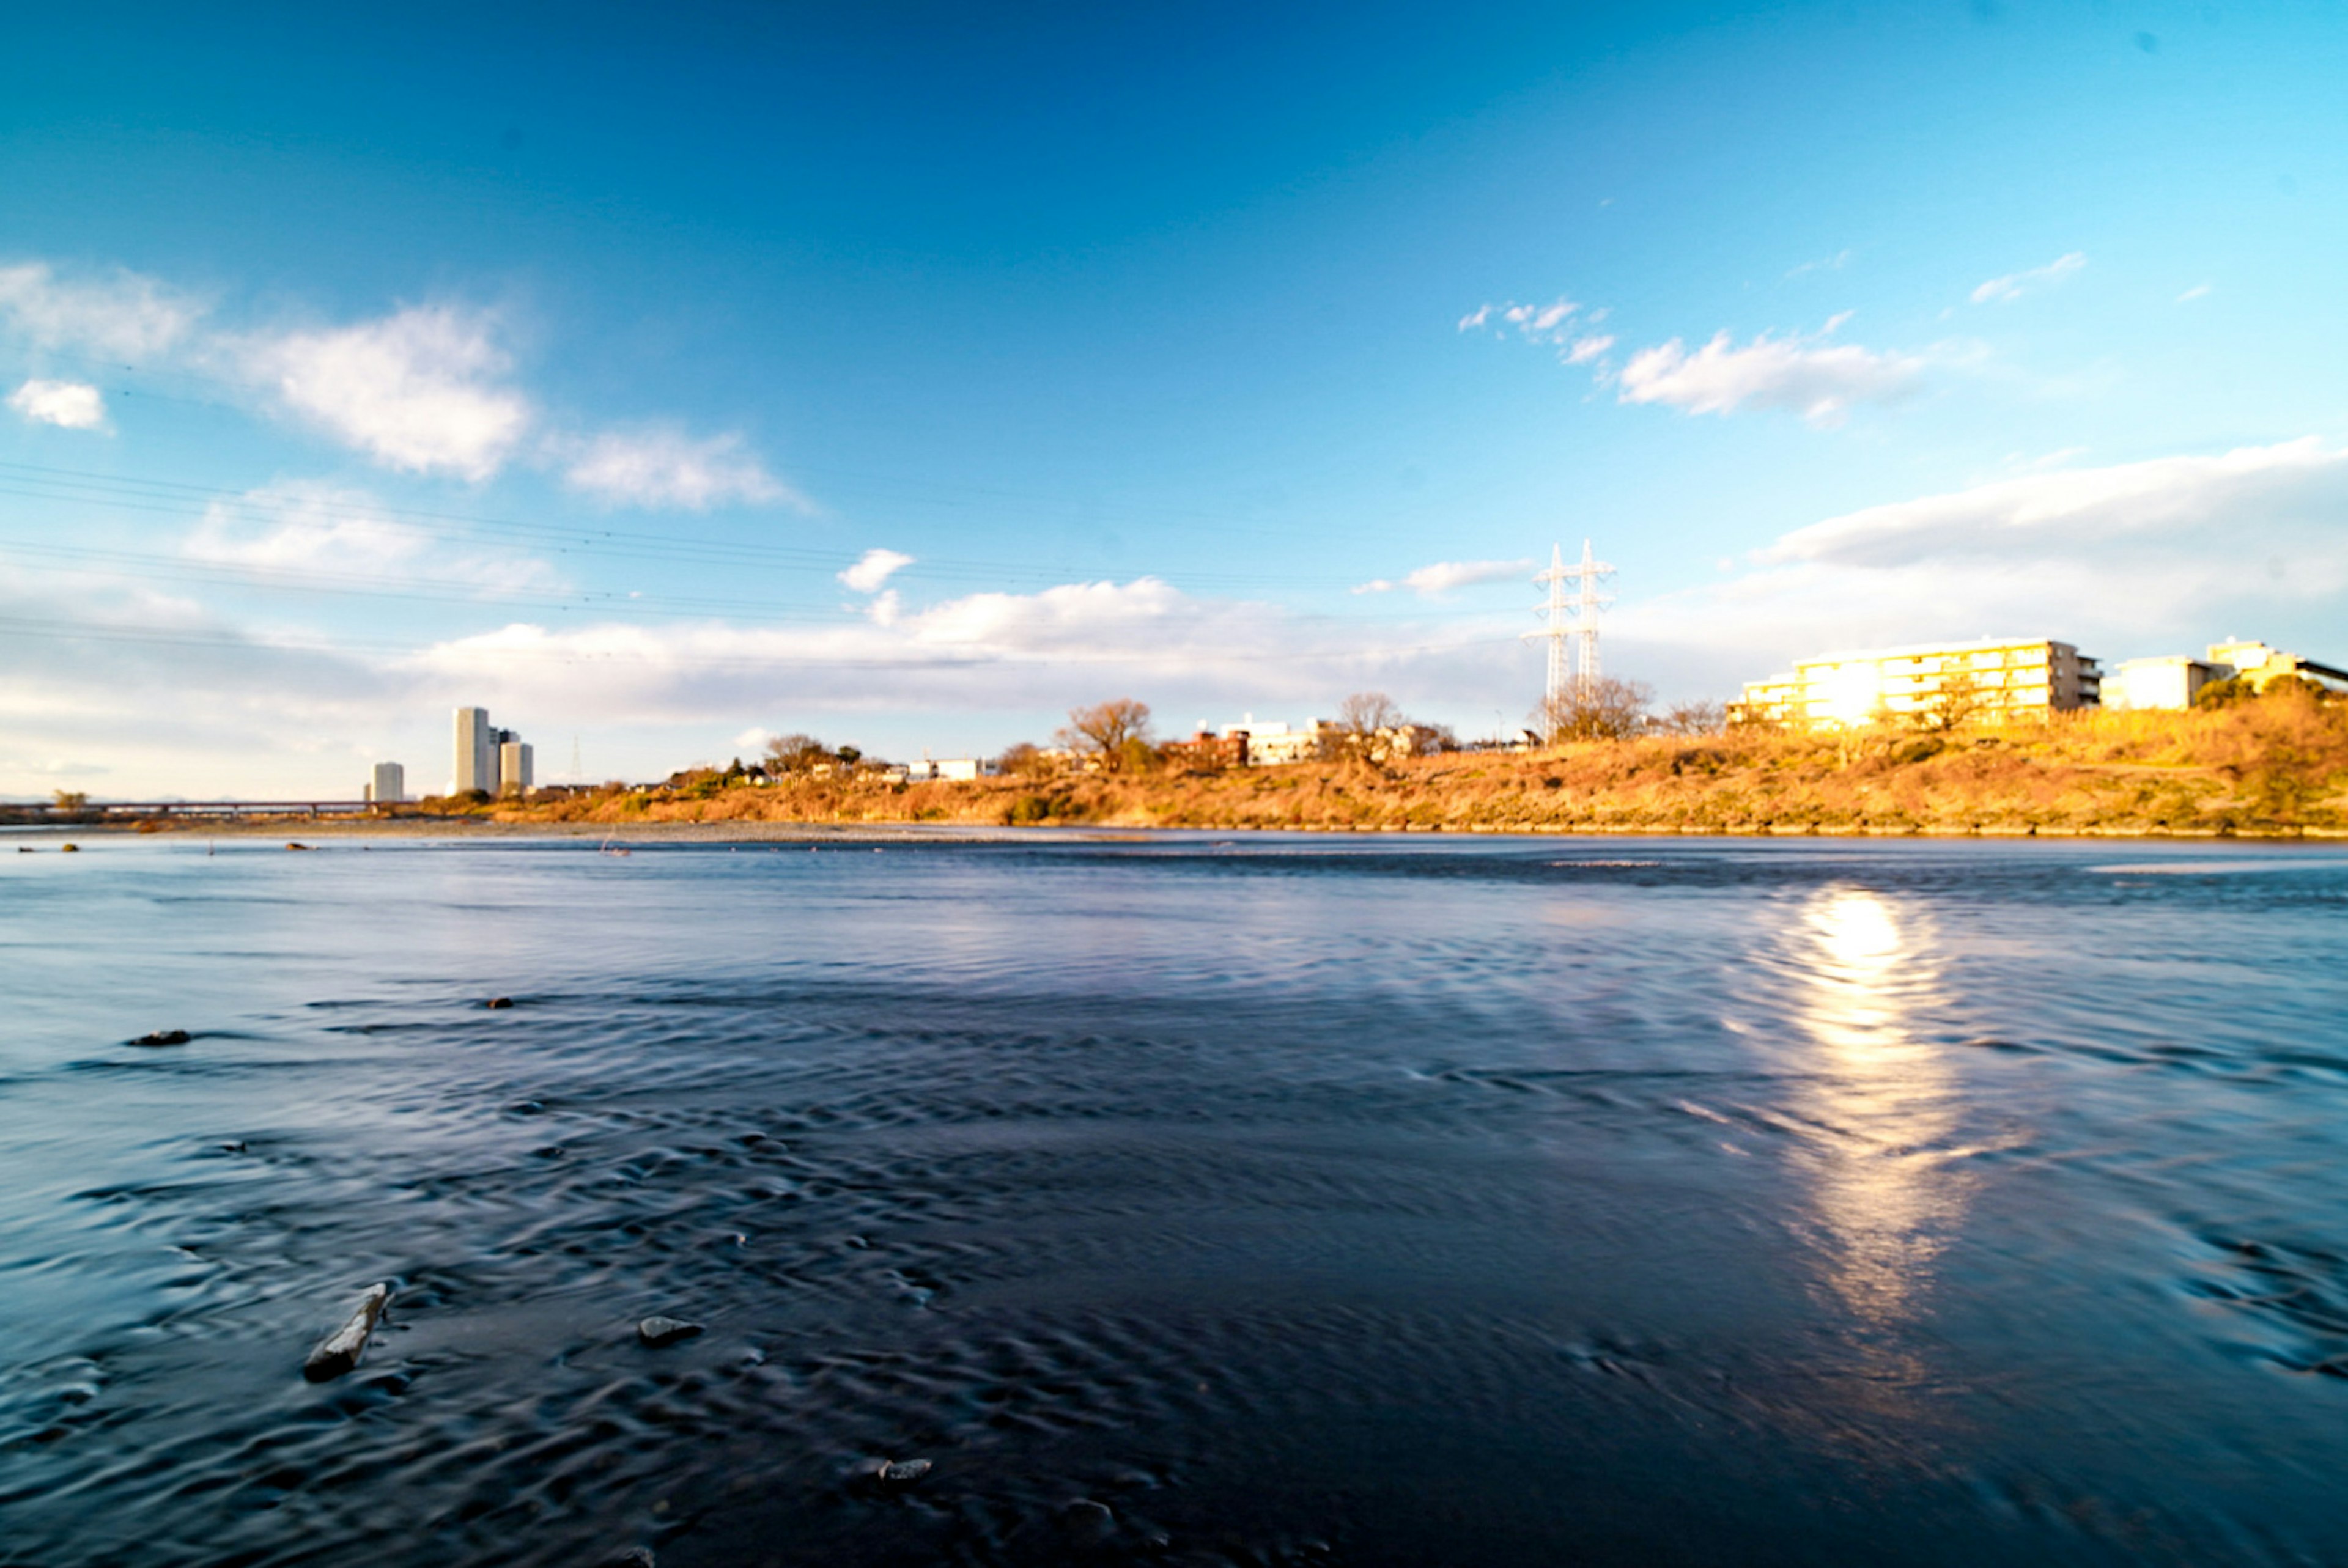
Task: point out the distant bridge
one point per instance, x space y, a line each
191 810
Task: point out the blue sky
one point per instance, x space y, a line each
578 362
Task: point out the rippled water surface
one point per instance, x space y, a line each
1189 1200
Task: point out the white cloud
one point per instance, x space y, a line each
1537 323
665 468
2069 508
873 568
1833 263
1442 577
120 315
2014 285
2197 292
421 390
2158 556
1818 380
303 527
427 389
1583 350
69 405
983 652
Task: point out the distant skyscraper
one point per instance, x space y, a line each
477 752
390 785
514 767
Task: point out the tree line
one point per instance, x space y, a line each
1119 735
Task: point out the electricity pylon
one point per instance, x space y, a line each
1575 618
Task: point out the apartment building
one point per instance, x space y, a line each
1994 681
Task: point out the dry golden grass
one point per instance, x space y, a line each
2279 765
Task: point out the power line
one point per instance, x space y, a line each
174 498
71 632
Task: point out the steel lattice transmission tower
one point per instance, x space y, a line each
1575 618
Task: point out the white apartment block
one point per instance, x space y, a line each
2175 680
1995 681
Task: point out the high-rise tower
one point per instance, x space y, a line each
477 752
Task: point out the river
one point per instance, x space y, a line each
1188 1199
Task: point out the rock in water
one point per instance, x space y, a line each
163 1037
340 1351
901 1473
1088 1523
659 1331
499 1002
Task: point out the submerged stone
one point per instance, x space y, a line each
163 1037
1087 1523
340 1351
901 1473
659 1331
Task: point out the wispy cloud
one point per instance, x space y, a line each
431 389
1540 324
666 467
68 405
2134 557
972 654
118 314
1820 380
2146 500
1442 577
2197 292
1833 263
318 529
1817 380
2014 285
874 568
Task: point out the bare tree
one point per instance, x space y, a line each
796 754
1364 713
1700 718
1021 757
1956 702
1109 730
1609 710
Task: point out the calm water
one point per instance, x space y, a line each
1194 1200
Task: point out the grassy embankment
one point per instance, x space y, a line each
2276 765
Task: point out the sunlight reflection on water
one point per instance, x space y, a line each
1883 1099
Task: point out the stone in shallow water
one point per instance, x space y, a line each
658 1331
1087 1523
340 1351
901 1473
163 1037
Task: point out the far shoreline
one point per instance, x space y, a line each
748 830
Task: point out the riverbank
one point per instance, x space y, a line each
2277 766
